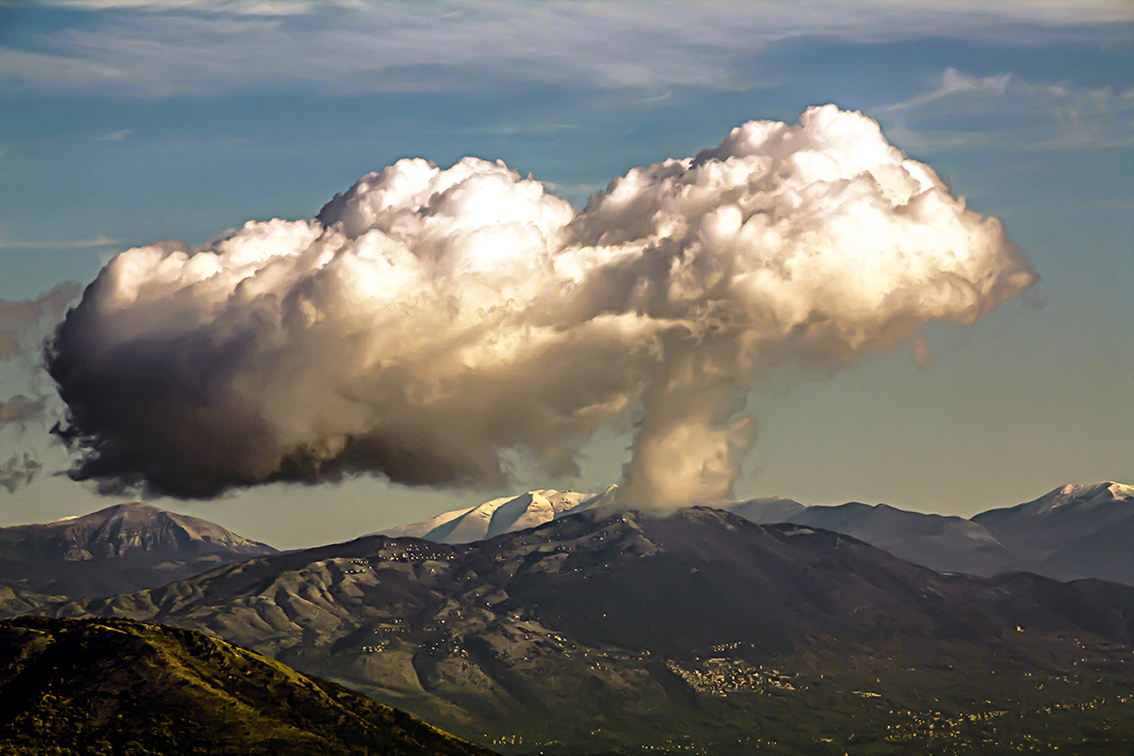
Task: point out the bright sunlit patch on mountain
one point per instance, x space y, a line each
429 321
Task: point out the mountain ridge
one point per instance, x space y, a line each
986 544
116 549
502 515
635 624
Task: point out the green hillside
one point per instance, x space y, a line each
125 688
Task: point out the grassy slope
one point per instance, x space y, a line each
133 689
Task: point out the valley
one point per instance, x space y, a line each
697 632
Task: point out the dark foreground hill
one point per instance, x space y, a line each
119 687
701 632
118 549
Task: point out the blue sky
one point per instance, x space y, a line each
125 122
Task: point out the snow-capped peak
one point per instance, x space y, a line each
503 515
1081 496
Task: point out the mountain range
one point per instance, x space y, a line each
122 548
554 623
1071 533
600 631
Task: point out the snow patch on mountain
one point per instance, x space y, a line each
1080 497
419 529
1071 532
503 515
1090 506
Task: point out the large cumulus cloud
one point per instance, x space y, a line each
430 322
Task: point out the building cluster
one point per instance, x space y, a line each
721 677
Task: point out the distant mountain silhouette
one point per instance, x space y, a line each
767 510
946 544
1071 533
119 549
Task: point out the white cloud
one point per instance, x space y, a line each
235 7
957 92
198 47
1008 111
430 322
94 242
116 136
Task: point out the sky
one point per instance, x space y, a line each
124 123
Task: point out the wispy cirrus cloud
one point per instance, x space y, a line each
236 7
19 319
1099 118
160 49
957 92
116 136
94 242
28 405
1005 110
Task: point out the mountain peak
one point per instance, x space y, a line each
1066 501
1079 496
139 544
766 509
134 526
137 510
105 513
1117 490
503 515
